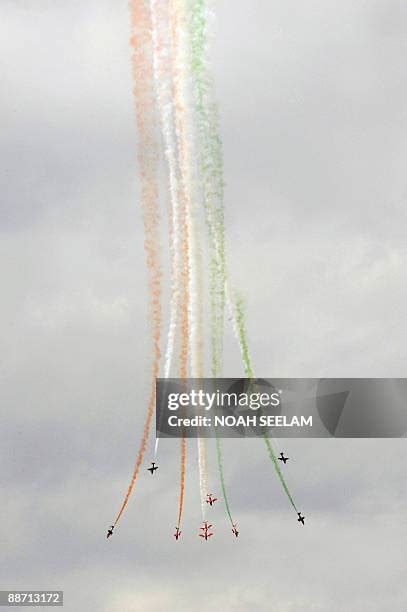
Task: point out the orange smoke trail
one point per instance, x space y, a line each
184 339
187 161
184 332
141 42
182 480
184 199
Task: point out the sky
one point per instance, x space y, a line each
312 100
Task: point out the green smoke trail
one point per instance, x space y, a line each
238 304
278 470
211 173
241 329
222 477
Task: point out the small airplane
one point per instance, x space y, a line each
301 518
177 533
234 529
110 531
210 499
153 468
205 530
206 526
283 459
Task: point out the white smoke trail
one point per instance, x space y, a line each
187 157
196 340
164 90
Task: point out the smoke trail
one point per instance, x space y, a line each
163 83
185 140
184 339
196 342
183 159
278 470
147 156
203 474
210 168
197 370
237 315
222 478
196 321
211 173
238 318
182 479
212 177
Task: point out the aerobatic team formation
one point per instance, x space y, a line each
178 127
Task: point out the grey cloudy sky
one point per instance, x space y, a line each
313 100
